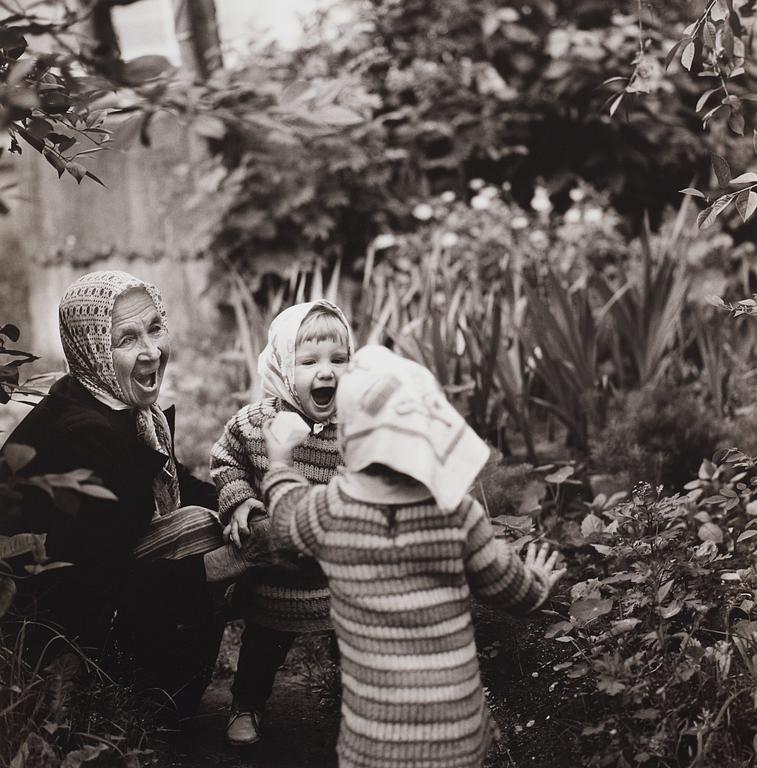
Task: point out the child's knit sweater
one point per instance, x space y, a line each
292 596
399 577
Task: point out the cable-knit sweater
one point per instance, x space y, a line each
292 595
400 577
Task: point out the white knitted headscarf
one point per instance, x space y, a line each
393 412
277 361
85 316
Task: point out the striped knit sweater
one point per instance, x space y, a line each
292 596
400 577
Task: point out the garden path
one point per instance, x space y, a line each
536 708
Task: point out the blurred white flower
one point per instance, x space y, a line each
423 211
593 215
572 216
540 202
384 241
480 202
508 15
538 239
538 353
507 186
489 191
518 222
449 240
476 184
448 196
558 43
577 194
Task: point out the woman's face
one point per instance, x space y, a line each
141 347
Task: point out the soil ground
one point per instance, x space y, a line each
536 708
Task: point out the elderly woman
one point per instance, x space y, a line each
138 571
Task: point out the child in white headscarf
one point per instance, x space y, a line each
309 346
402 545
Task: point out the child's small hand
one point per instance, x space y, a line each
281 438
239 525
543 563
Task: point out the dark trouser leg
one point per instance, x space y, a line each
261 654
172 632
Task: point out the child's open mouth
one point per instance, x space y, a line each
323 396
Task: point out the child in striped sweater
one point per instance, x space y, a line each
280 597
402 545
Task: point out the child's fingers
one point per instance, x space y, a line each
227 533
555 576
235 534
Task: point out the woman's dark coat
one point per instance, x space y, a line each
69 429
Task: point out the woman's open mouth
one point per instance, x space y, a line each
323 396
147 381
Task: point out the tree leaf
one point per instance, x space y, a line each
7 593
746 202
337 116
662 592
11 332
703 98
673 609
22 544
736 122
687 57
17 456
750 177
55 160
77 170
145 68
586 609
622 626
707 217
591 524
670 55
560 476
101 492
710 532
693 192
746 535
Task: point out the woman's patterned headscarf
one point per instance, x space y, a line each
85 315
277 360
392 411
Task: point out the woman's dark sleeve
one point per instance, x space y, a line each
196 491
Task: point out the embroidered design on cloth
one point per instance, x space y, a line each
392 411
276 361
85 314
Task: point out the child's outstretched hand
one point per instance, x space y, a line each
544 563
282 434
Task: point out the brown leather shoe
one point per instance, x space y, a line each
243 727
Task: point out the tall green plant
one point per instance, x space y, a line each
647 309
564 337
